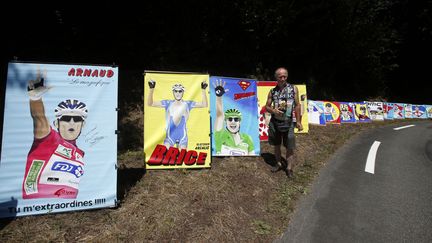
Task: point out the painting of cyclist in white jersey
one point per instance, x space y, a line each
177 112
176 120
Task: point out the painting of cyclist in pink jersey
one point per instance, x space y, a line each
177 113
54 163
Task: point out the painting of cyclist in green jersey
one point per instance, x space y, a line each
234 116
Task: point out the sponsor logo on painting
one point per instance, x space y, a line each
53 179
64 192
30 182
77 171
62 150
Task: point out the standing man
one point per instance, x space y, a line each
282 100
177 113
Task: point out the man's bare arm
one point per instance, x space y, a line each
150 102
204 102
36 89
41 127
219 91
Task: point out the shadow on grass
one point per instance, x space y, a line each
11 208
127 178
269 158
130 136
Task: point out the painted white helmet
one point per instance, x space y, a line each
71 107
178 87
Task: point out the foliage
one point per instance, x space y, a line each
341 49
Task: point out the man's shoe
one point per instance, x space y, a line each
284 164
276 167
289 173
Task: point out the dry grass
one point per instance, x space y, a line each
237 200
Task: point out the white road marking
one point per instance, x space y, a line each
370 161
399 128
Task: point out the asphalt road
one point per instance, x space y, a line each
347 204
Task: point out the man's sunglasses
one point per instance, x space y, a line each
69 118
236 119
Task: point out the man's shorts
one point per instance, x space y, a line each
276 136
